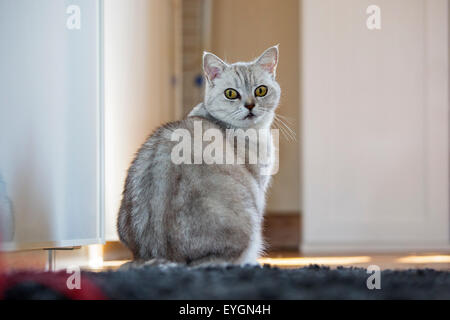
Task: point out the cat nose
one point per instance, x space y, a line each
249 105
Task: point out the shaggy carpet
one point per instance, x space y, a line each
247 282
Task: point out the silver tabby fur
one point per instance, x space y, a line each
199 214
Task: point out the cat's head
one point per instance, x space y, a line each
243 94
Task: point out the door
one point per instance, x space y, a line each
375 122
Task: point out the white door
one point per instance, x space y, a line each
375 120
50 124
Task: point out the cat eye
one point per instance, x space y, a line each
231 94
261 91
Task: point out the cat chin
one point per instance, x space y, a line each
257 123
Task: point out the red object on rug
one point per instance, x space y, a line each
57 281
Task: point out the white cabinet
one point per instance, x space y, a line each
375 105
51 123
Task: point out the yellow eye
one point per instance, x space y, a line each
231 94
261 91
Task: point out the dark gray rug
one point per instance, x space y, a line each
251 282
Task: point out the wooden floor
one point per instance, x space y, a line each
392 261
294 260
112 256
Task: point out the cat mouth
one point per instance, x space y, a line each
249 116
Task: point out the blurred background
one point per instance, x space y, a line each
365 87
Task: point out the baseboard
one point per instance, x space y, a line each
282 231
116 250
361 248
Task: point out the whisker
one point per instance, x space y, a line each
289 131
292 132
289 120
279 124
286 135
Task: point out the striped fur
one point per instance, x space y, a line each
197 213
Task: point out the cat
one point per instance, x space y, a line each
202 214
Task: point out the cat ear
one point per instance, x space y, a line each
212 66
269 60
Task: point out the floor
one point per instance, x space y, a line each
392 261
294 260
112 256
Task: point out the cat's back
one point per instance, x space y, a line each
159 193
169 134
154 162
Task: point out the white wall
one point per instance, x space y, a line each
138 92
375 126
